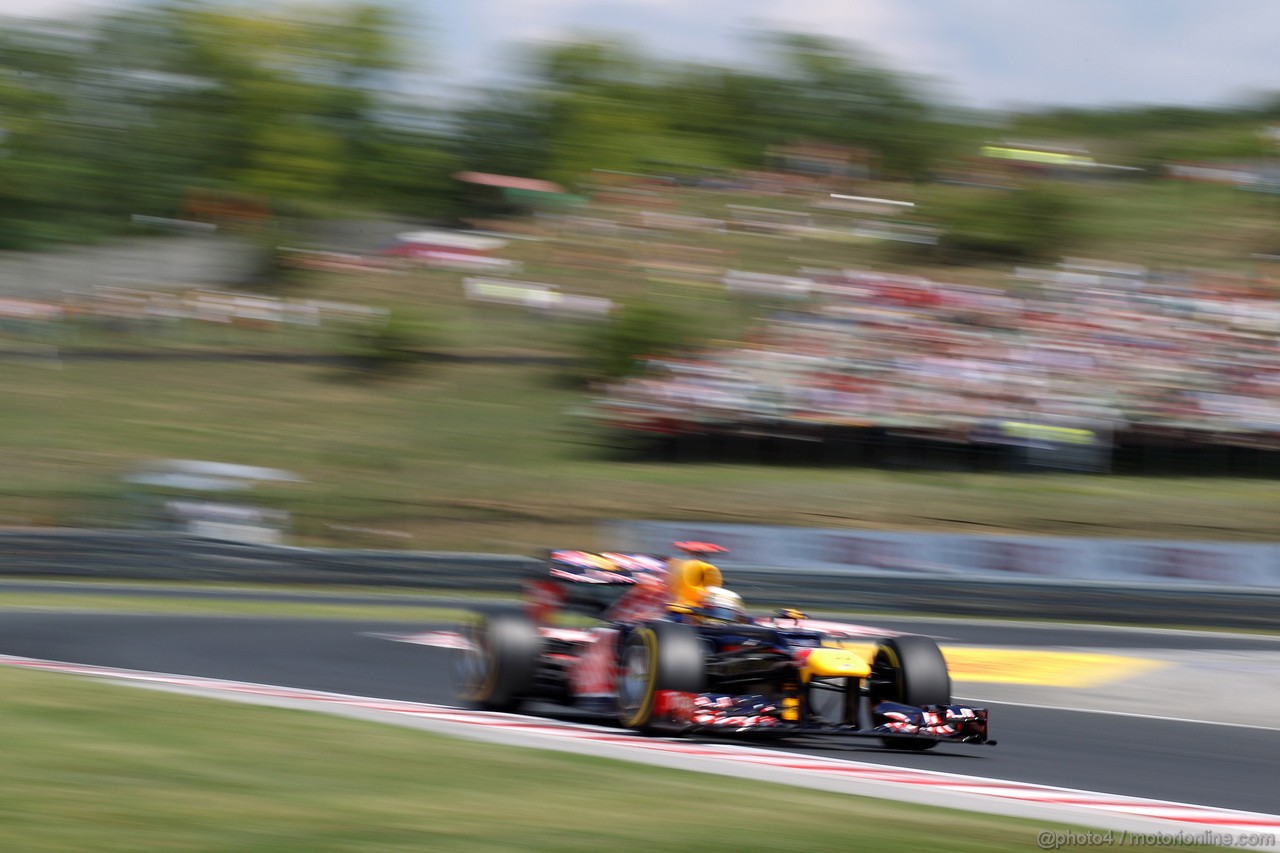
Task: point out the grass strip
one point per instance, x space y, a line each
58 601
490 458
94 766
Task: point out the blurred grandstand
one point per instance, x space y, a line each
1085 367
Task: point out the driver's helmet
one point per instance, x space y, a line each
721 603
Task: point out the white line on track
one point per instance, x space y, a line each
986 702
1067 626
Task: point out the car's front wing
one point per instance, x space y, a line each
755 714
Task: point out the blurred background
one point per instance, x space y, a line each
409 276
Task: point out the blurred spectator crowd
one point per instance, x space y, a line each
1073 354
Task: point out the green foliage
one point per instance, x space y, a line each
297 161
407 174
121 115
837 92
1152 136
599 133
636 331
385 345
506 132
601 105
47 191
1130 121
295 103
719 107
589 65
1227 143
1033 223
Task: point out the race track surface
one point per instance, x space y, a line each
1169 759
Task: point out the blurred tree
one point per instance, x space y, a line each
597 103
42 159
596 132
721 108
1153 135
386 345
636 331
291 94
835 92
603 66
125 113
507 132
293 160
600 107
1032 223
406 172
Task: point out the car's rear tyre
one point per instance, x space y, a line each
497 669
910 670
657 656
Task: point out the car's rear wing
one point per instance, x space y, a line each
606 567
590 582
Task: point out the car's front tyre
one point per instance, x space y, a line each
909 670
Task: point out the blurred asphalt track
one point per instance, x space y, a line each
1165 756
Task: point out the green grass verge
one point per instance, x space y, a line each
489 458
92 766
58 601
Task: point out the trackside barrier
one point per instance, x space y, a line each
165 556
106 555
967 555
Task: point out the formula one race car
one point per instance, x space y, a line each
670 651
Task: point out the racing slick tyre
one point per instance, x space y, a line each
910 670
497 669
657 656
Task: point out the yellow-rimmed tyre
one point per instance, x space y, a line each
657 656
909 670
496 670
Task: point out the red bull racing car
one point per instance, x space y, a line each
670 651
